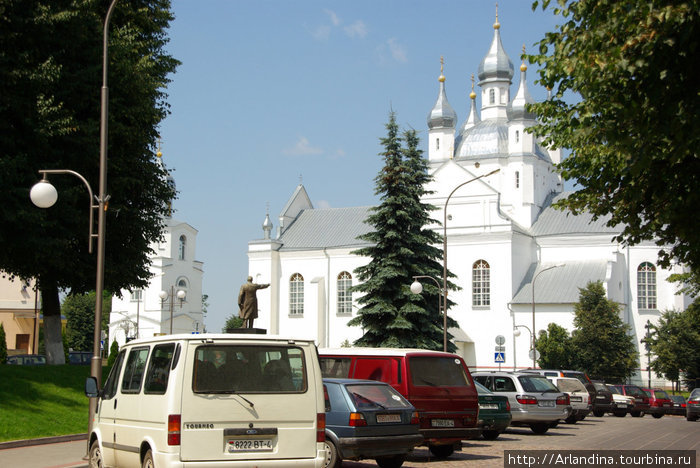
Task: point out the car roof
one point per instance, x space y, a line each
383 352
516 373
209 338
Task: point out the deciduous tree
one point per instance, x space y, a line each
555 348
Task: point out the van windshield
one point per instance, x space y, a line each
249 369
434 371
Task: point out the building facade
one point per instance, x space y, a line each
172 301
520 262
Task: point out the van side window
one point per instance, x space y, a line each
335 367
249 369
110 387
159 369
373 369
135 367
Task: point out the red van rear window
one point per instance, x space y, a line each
433 371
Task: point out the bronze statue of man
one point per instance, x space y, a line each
248 302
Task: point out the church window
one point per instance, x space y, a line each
517 179
181 248
481 284
517 136
182 283
492 96
437 143
344 294
296 294
137 295
646 286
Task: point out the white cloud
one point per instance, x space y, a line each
321 33
333 16
398 52
302 148
356 29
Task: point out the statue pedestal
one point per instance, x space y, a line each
249 331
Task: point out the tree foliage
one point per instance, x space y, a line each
632 130
234 321
675 344
79 310
3 345
601 344
401 247
50 79
555 348
113 353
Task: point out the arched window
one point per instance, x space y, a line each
296 294
517 179
182 283
181 248
646 286
481 284
344 295
492 96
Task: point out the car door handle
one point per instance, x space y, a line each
115 403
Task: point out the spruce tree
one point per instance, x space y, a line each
402 247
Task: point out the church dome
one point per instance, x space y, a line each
496 65
488 137
442 115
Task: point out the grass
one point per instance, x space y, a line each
42 401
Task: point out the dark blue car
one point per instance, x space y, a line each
368 419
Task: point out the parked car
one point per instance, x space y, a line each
581 376
438 384
534 400
26 360
659 402
678 407
641 400
692 405
79 358
368 419
579 398
603 401
622 404
215 400
494 412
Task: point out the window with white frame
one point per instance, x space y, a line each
481 284
344 295
182 247
646 286
296 294
137 295
517 179
492 96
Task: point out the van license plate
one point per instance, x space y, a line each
249 445
388 418
442 423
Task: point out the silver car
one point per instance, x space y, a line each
534 400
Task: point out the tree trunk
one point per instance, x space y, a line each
53 337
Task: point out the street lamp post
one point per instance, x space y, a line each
417 288
534 356
647 345
180 296
516 333
47 194
444 250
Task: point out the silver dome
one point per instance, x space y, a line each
487 137
442 115
516 108
496 65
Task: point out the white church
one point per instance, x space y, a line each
520 263
172 301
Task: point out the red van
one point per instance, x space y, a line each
438 384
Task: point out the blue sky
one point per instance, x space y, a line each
274 92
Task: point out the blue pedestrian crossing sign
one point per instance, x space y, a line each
500 357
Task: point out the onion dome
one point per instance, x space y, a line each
496 65
442 115
516 108
473 118
267 225
488 137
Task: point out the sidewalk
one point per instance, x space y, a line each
48 452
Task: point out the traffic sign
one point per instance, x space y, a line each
500 339
500 357
500 348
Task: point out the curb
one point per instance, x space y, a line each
41 441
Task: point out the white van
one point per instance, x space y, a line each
210 400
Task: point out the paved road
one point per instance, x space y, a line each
607 433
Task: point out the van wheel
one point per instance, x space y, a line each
148 460
333 459
95 459
490 435
637 414
391 462
539 428
442 451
